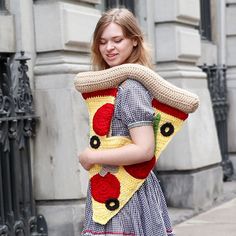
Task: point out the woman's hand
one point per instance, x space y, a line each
85 159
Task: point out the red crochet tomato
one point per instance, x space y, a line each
102 119
105 187
141 170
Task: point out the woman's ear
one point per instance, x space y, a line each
135 42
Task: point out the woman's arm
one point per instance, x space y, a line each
141 150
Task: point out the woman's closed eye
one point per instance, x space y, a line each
118 40
102 42
115 41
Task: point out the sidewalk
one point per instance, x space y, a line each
219 220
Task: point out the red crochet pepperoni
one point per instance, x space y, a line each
169 110
105 187
141 170
102 119
100 93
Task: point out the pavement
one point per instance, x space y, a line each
217 220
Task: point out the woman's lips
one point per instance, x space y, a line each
111 56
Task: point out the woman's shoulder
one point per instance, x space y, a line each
132 84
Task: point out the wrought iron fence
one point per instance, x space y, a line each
216 77
18 216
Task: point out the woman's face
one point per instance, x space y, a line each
114 47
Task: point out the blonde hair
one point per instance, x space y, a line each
127 21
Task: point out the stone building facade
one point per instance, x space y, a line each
56 35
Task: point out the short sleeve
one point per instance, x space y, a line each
136 108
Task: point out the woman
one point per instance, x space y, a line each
118 40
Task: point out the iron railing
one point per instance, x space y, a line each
216 77
18 215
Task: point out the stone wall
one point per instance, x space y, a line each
63 31
231 76
193 156
54 34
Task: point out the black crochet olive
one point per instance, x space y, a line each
112 204
167 129
95 142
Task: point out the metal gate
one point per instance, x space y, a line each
216 77
18 215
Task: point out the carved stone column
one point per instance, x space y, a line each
7 30
189 168
231 76
63 33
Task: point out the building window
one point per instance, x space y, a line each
205 25
2 5
120 3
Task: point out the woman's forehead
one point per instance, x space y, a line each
112 30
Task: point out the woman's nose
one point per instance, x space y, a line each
110 46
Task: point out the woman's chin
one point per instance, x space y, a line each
113 63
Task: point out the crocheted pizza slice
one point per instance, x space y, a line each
171 120
113 186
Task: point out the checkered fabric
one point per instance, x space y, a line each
146 212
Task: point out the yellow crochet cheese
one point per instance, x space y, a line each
162 141
113 186
128 184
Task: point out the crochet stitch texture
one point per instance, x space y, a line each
113 186
162 90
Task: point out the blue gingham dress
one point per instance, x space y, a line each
146 212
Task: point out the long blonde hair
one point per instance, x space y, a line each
127 21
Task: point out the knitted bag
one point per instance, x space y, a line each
113 186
